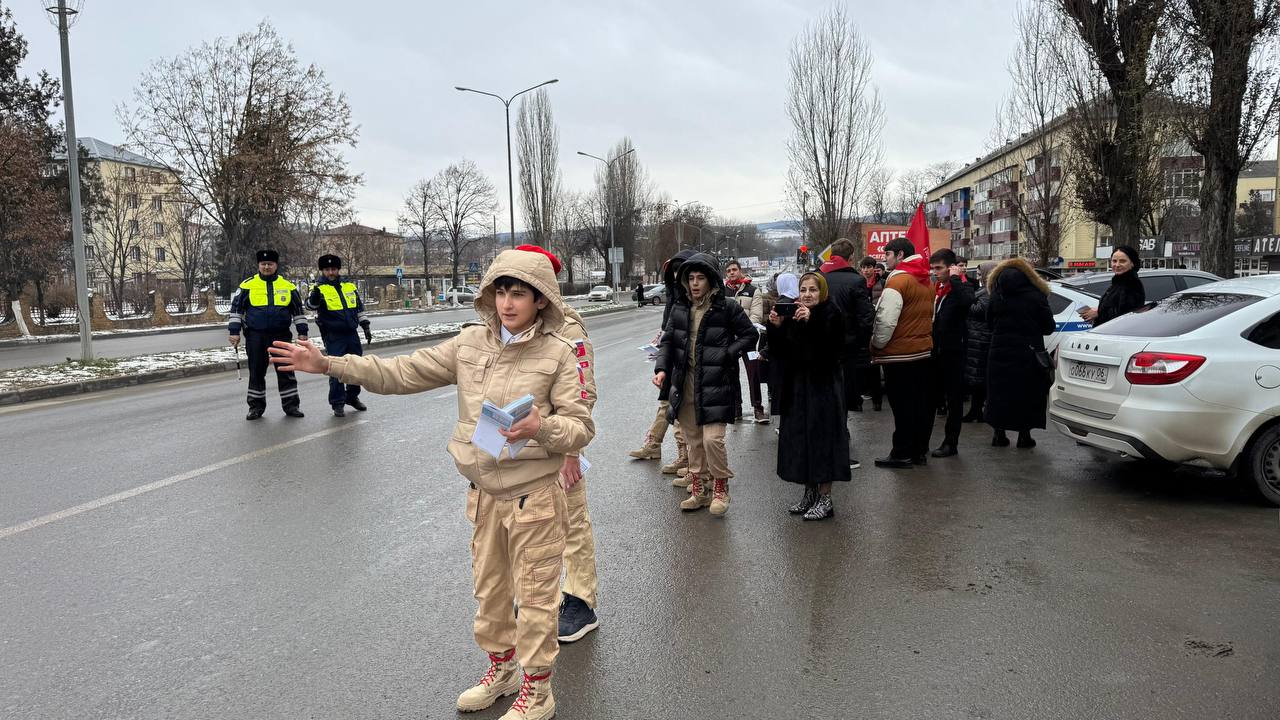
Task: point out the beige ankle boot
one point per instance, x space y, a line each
681 461
719 497
503 678
699 494
681 479
536 701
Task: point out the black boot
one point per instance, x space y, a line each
806 501
946 449
1025 440
294 412
338 411
355 403
254 414
999 439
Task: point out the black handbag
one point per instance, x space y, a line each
1045 362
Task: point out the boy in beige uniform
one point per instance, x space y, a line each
516 505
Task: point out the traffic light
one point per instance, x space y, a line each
802 255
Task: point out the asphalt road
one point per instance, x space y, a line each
16 356
318 568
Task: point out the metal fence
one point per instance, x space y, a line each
185 306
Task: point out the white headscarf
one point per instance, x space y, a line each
789 285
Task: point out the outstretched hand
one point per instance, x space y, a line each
303 356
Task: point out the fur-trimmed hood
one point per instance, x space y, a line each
1014 271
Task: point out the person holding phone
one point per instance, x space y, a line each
813 445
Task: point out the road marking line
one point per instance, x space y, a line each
166 482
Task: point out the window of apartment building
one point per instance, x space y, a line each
159 229
159 254
133 227
1182 183
1004 225
88 252
130 173
131 201
135 253
157 203
1266 195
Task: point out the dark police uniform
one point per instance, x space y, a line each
263 308
339 312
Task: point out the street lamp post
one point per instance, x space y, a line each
675 213
506 103
608 169
73 181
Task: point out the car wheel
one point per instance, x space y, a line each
1263 464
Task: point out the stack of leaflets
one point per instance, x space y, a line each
487 438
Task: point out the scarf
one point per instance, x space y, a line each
917 266
822 285
835 263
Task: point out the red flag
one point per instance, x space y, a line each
918 233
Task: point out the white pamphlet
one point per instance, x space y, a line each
492 418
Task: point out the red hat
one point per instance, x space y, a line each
555 261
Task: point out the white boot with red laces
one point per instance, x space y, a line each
502 679
536 701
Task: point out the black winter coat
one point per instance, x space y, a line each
813 446
724 334
847 291
669 270
1019 317
1125 295
950 320
978 344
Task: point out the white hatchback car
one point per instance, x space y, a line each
1193 380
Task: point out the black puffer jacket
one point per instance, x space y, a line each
1125 295
669 270
979 342
724 333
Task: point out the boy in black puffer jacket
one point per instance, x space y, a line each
704 337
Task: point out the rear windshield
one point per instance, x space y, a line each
1177 315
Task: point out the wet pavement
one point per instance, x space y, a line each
318 568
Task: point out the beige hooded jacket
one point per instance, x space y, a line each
540 362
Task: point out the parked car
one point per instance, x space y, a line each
600 292
466 294
1065 303
1159 283
1193 380
655 294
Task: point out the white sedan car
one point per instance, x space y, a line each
1194 380
1065 302
600 292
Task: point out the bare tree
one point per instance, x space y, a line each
458 201
1033 120
122 237
568 241
837 119
248 129
538 153
1115 73
622 191
1229 102
190 248
417 221
876 197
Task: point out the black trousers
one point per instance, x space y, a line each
869 383
256 343
948 374
907 386
338 344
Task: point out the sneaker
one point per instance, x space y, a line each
699 494
806 501
338 411
854 464
762 418
502 679
357 405
536 701
720 497
576 619
821 510
647 452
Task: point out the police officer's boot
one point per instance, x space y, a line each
254 414
294 412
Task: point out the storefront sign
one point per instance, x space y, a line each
877 239
1186 249
1269 245
1244 247
1082 263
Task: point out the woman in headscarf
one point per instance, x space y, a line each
1126 293
813 443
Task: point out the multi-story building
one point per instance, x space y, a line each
1018 201
141 236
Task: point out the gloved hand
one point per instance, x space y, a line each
368 334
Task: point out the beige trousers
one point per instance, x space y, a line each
658 430
708 457
517 548
580 547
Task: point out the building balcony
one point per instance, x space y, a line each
1008 236
1003 190
1004 212
983 219
1055 175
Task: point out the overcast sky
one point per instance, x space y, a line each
698 86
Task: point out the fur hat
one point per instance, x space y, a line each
268 256
330 261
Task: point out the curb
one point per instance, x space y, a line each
171 329
49 392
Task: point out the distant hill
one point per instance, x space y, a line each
776 225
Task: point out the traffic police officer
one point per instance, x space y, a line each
263 308
339 310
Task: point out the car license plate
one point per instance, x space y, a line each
1088 373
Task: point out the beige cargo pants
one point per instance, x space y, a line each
580 547
517 548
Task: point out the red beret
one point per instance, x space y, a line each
555 261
